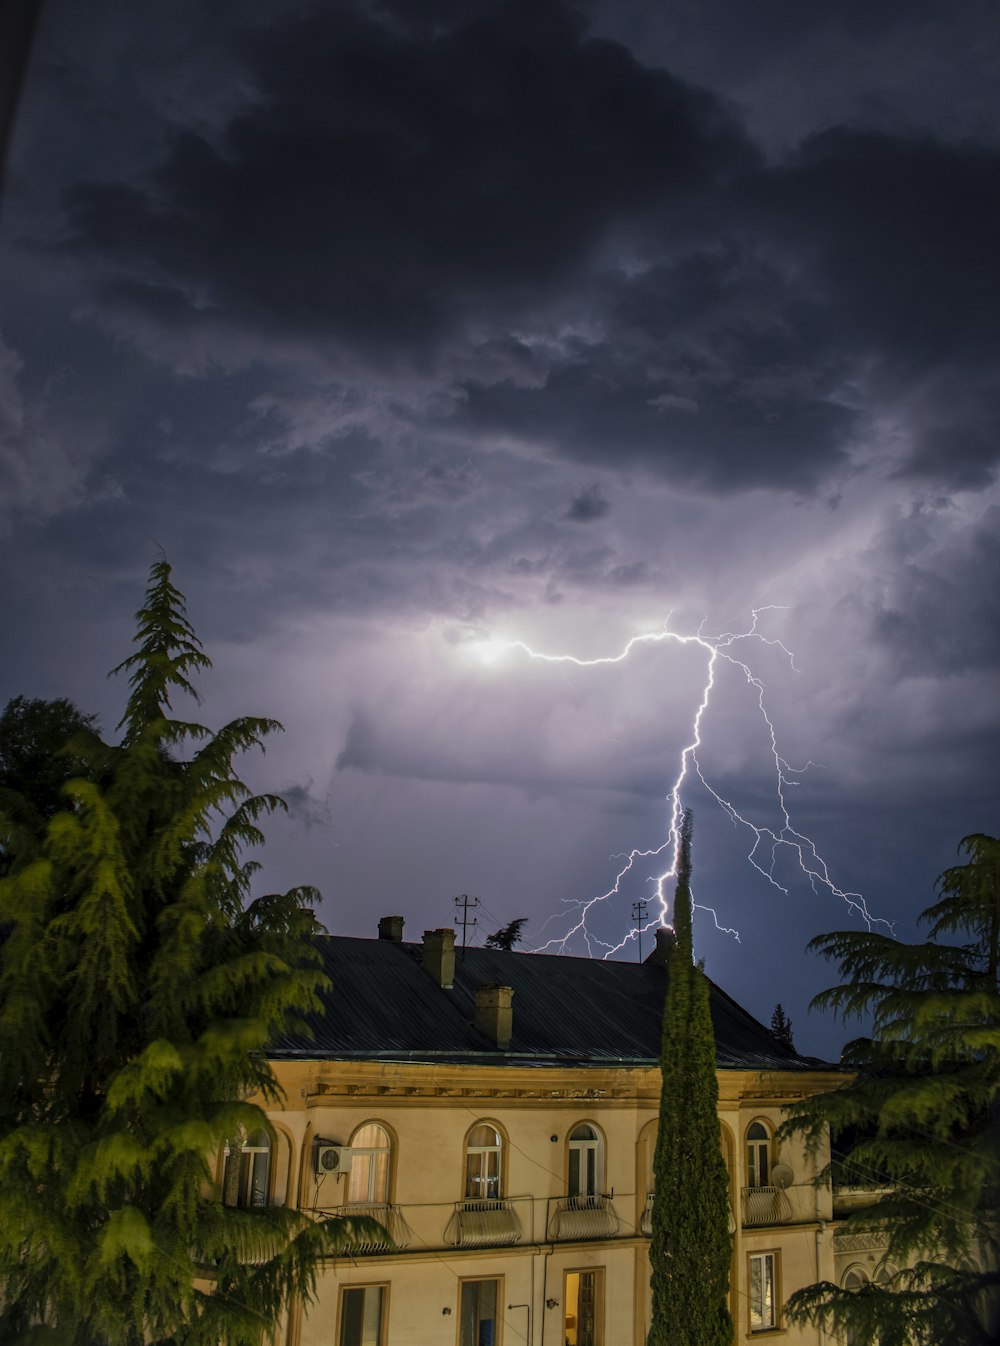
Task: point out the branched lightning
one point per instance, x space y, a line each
766 842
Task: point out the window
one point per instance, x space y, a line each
758 1155
763 1292
478 1310
247 1171
582 1308
584 1161
482 1163
369 1180
362 1315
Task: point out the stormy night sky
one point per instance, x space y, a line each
404 327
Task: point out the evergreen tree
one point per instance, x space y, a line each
690 1247
36 760
139 988
781 1027
507 936
922 1117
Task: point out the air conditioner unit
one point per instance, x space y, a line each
333 1159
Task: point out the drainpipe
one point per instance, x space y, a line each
819 1271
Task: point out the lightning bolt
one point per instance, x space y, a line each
766 843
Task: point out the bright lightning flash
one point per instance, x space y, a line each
766 842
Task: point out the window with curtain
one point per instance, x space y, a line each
763 1292
582 1319
482 1163
370 1154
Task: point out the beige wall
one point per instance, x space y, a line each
429 1109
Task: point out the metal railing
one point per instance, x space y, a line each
398 1233
779 1205
488 1223
583 1217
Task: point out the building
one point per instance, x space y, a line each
496 1112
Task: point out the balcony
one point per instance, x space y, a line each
488 1223
797 1204
583 1217
398 1232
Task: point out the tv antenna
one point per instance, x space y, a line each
465 903
640 910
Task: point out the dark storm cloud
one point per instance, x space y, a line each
588 505
384 182
584 252
939 614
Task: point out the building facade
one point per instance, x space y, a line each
496 1113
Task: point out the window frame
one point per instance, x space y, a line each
389 1150
598 1274
500 1149
383 1322
593 1145
774 1325
753 1148
498 1319
246 1157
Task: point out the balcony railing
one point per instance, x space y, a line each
398 1232
584 1217
796 1204
488 1223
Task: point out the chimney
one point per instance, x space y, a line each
664 943
437 956
494 1016
391 927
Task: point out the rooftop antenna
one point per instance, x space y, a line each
640 910
464 902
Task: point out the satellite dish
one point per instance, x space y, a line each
782 1176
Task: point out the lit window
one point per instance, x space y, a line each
763 1292
482 1163
584 1167
582 1309
758 1155
362 1315
478 1322
369 1181
247 1172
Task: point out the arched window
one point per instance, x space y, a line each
370 1154
247 1173
585 1168
482 1163
758 1155
856 1278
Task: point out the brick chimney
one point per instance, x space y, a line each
494 1016
664 943
437 956
391 927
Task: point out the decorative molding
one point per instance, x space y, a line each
856 1243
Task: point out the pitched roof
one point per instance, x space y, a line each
382 1005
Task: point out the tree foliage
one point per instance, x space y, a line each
690 1247
781 1027
139 987
508 935
37 741
921 1120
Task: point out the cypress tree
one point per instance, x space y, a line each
922 1117
690 1247
139 987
